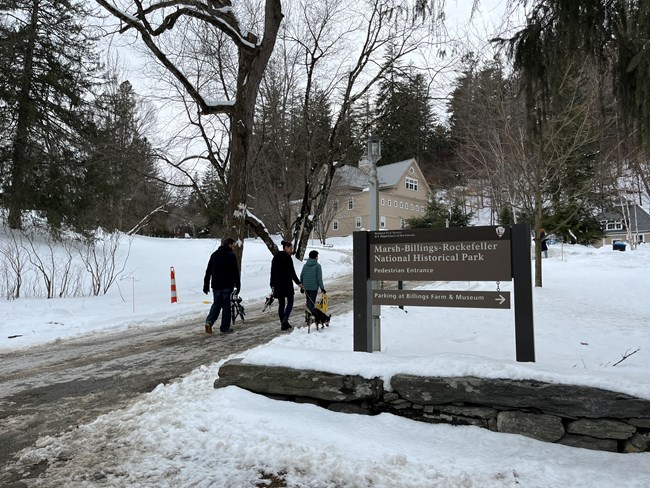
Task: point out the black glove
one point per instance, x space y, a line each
302 290
323 290
205 290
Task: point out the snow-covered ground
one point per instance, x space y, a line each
592 310
141 296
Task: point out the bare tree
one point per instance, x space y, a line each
327 218
100 257
159 22
335 52
43 261
12 265
525 169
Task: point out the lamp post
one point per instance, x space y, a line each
374 154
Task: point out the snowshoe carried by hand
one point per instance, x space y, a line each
236 308
268 302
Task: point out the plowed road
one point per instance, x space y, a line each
49 389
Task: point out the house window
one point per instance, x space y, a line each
382 221
350 203
402 223
335 206
401 204
383 200
389 203
357 222
417 208
411 184
411 206
395 202
335 225
614 225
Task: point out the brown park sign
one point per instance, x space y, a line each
455 254
443 298
490 253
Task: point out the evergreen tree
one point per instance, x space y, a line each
458 217
276 175
567 221
561 146
292 134
213 209
438 215
350 138
407 125
613 33
405 121
313 126
477 92
505 216
216 208
120 185
47 61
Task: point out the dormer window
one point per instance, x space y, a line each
616 225
411 184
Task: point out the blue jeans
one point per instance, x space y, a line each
221 302
284 308
311 299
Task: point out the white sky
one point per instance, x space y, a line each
591 310
465 32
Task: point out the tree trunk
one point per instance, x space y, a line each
235 218
21 163
317 208
252 64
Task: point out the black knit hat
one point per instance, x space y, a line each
313 254
286 244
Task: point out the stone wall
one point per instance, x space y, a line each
572 415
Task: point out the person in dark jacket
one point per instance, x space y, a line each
223 272
544 241
283 275
311 278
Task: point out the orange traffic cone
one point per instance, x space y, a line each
173 276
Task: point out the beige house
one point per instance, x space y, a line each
403 194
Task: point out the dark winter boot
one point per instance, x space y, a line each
286 326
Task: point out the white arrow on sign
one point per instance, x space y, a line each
501 299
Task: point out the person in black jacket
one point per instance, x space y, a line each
223 271
544 241
283 275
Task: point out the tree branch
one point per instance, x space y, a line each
626 355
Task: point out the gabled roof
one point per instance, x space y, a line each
638 217
388 174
